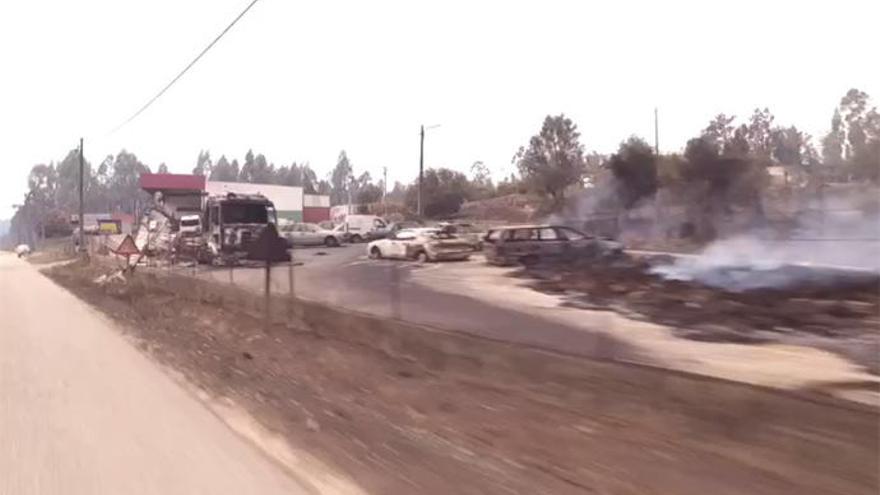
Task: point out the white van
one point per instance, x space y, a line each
359 228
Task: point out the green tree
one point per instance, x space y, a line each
481 181
553 160
203 164
443 192
340 180
635 168
256 169
124 189
310 182
223 171
832 144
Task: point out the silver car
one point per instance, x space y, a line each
309 234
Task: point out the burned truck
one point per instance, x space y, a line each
231 223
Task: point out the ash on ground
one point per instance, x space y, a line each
833 309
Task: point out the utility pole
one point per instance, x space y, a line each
82 168
656 134
384 190
421 168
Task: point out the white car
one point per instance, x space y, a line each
309 234
420 244
22 250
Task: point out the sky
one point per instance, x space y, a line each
300 81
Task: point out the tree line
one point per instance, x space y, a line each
724 167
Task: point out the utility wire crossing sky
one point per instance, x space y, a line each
300 81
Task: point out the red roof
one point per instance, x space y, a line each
172 182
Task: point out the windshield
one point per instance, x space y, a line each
244 213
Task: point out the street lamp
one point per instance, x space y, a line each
422 164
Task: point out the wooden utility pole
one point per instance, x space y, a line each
384 190
421 168
82 169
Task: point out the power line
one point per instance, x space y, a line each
185 69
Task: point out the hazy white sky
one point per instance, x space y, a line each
302 80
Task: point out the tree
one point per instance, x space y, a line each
223 171
443 192
861 148
124 185
635 168
554 159
832 143
310 182
481 181
163 169
340 180
759 134
256 169
204 165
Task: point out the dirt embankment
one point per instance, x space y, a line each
842 316
401 409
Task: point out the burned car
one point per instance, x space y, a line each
465 231
232 222
421 244
531 244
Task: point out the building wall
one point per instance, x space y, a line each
318 214
288 200
316 201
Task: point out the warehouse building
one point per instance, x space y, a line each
182 193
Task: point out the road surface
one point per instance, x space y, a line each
344 277
83 412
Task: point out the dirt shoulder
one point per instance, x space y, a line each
401 409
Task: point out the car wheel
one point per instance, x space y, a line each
331 241
529 260
375 253
422 257
356 238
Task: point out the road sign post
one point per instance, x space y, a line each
128 249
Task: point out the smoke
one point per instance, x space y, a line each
828 248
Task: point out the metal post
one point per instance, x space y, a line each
268 292
421 168
82 167
656 134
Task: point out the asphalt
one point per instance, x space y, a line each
83 412
345 277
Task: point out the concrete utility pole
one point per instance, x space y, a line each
82 168
421 168
656 134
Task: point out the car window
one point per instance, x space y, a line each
379 224
548 234
311 228
522 235
571 235
494 235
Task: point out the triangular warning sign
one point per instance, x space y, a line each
127 247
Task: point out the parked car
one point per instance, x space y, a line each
425 244
309 234
530 244
359 228
467 232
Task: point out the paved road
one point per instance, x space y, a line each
83 412
345 277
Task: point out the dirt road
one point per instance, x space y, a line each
83 412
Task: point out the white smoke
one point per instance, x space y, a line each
841 243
